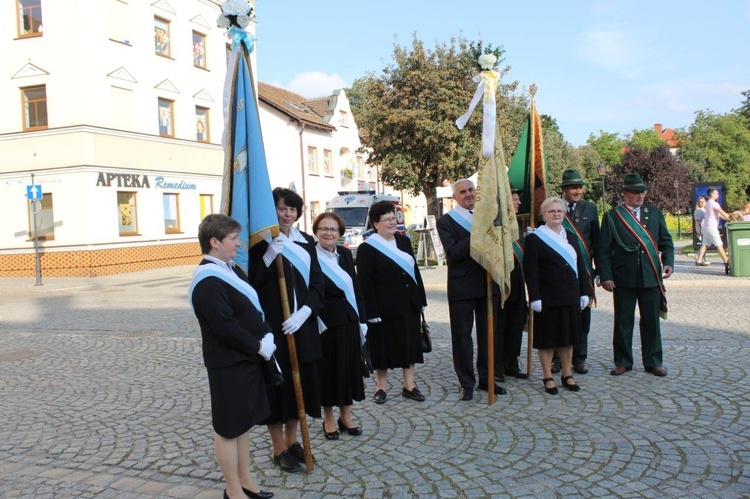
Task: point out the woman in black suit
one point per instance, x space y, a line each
235 337
394 297
305 284
343 334
558 290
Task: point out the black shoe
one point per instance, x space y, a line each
413 394
334 435
499 378
726 268
466 394
380 397
517 374
556 366
551 391
298 452
580 368
572 387
351 431
262 494
499 390
287 462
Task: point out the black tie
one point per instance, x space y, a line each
471 211
572 209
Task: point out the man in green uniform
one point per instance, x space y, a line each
632 236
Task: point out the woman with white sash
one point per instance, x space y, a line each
342 333
558 290
304 284
235 337
394 297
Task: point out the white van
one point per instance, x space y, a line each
354 207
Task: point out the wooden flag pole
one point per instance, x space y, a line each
490 343
292 346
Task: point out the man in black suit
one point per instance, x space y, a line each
582 219
467 295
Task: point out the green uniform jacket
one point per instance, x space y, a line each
631 269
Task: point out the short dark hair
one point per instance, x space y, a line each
290 198
218 226
379 209
332 216
710 191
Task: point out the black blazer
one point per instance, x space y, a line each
337 310
231 327
266 281
388 290
586 219
549 277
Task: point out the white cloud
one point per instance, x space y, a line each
315 84
616 49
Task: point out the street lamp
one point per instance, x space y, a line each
602 169
677 205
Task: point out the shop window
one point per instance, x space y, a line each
34 107
199 50
327 162
166 118
127 213
45 220
207 205
312 160
29 17
161 37
201 124
171 213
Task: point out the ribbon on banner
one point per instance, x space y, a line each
238 36
486 89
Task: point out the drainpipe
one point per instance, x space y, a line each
302 164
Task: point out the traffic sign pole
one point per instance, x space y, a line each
37 259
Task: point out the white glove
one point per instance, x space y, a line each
295 321
374 320
275 247
529 230
583 301
362 333
536 305
597 281
267 348
268 337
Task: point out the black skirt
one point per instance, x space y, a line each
395 342
282 400
238 398
341 367
557 327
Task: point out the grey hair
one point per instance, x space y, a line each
455 184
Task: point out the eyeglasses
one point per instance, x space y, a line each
555 212
326 230
387 220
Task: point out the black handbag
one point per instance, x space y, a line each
272 372
425 336
366 361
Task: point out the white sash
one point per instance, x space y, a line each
460 220
335 273
226 275
555 242
400 258
297 256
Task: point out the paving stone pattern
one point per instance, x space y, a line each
103 393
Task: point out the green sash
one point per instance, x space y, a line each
518 252
585 252
645 240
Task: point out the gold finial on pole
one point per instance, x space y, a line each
532 90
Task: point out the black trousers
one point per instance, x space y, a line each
511 320
463 315
581 351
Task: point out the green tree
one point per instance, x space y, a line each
646 139
744 110
720 144
609 146
407 114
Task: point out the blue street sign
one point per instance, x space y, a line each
34 192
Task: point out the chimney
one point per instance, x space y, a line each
657 128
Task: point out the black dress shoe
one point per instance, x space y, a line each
499 390
413 394
466 394
380 397
500 378
334 435
287 462
573 387
580 368
355 431
298 452
517 374
261 494
551 390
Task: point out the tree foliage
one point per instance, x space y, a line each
406 115
609 146
646 139
744 110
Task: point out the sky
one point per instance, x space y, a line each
607 66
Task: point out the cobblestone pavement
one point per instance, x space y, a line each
104 393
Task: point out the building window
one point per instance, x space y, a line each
312 160
34 107
161 37
343 118
126 209
201 124
171 213
360 167
199 50
45 220
327 162
166 118
29 17
314 209
207 205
